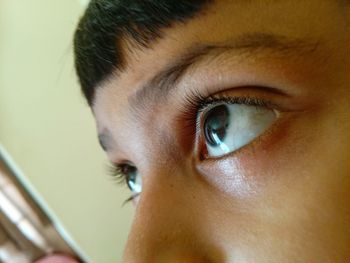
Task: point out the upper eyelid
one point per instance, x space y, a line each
250 101
204 104
245 100
161 85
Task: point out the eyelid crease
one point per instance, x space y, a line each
164 82
196 102
245 100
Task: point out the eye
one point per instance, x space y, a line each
226 127
132 178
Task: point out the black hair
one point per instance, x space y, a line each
106 23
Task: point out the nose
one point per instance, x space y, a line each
169 224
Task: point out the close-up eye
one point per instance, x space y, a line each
226 127
130 175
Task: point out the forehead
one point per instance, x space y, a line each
221 22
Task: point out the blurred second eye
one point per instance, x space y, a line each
227 127
133 179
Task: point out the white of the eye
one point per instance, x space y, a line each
246 123
222 146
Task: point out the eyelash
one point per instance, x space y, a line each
116 172
196 103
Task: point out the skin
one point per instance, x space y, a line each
283 197
57 259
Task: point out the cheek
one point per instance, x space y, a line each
271 160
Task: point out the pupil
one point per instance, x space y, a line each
216 124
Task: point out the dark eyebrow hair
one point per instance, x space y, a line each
107 24
162 83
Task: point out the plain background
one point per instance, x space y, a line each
48 129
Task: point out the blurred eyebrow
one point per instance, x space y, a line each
160 85
105 140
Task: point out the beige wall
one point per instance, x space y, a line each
48 129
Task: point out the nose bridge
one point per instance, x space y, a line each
167 226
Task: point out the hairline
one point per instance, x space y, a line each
107 24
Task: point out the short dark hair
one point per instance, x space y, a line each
106 23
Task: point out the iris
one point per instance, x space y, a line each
228 127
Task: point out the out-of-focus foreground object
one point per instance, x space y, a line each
27 231
49 130
57 259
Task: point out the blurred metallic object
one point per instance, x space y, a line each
27 232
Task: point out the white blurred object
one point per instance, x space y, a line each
9 253
28 230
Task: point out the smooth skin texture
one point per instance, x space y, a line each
283 197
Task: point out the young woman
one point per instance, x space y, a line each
229 121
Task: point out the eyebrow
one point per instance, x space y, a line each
166 80
105 140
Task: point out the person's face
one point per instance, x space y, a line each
261 173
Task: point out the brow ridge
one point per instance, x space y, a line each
161 84
157 89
